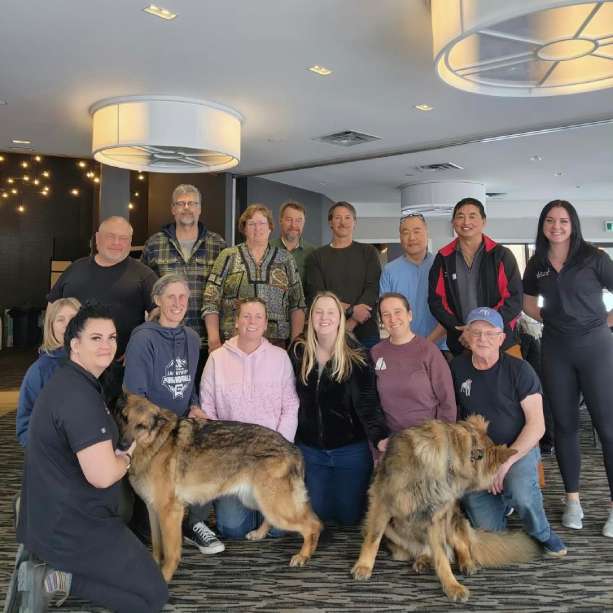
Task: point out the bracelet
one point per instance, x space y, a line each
129 456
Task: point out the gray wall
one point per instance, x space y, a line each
274 194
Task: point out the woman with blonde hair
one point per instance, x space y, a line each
52 354
339 413
254 269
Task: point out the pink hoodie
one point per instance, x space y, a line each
255 388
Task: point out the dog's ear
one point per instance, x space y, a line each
478 422
503 453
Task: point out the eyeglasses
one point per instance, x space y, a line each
410 215
488 335
190 204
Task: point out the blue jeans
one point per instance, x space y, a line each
521 491
235 520
337 481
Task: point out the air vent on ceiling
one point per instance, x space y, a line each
347 138
438 166
495 194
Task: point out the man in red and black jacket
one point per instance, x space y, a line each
474 271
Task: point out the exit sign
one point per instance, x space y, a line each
608 226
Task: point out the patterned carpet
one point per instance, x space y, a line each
256 576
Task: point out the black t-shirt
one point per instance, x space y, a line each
495 393
61 512
572 298
125 287
352 273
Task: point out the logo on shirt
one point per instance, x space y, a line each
543 273
381 365
465 387
176 378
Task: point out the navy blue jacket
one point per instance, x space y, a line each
38 374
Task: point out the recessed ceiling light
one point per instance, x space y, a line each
82 164
36 181
423 107
13 191
322 71
21 208
26 177
160 12
10 180
74 191
24 164
18 141
5 195
136 194
535 158
90 175
1 158
141 177
45 173
44 193
37 158
96 180
130 205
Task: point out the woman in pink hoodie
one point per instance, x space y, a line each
249 380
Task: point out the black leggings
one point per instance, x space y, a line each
122 576
572 365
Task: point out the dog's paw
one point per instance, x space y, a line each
361 572
468 569
255 535
298 560
457 592
421 565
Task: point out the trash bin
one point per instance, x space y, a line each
26 332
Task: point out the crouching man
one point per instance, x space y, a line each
507 392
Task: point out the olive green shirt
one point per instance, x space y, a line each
300 255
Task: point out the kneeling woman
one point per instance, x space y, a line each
413 378
250 380
69 515
339 413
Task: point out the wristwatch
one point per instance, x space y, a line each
348 312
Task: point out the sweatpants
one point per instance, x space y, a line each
572 365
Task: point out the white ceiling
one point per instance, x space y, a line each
60 56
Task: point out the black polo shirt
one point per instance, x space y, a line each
572 298
125 287
495 393
62 514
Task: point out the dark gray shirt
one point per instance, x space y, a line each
467 280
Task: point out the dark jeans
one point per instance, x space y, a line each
337 481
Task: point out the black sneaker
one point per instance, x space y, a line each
204 538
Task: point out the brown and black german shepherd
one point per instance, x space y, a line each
413 501
180 461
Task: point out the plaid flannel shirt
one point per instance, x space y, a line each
162 253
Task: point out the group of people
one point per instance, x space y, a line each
216 332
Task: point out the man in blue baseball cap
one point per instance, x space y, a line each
507 393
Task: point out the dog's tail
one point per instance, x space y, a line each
493 549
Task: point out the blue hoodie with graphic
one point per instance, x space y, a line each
161 365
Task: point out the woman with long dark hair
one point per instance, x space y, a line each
577 346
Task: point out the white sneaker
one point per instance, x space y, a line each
607 529
573 514
204 538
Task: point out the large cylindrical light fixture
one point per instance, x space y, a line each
165 134
524 47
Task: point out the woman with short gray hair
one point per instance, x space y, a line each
161 362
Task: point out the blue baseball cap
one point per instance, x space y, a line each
491 316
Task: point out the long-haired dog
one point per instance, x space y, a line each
413 502
180 461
